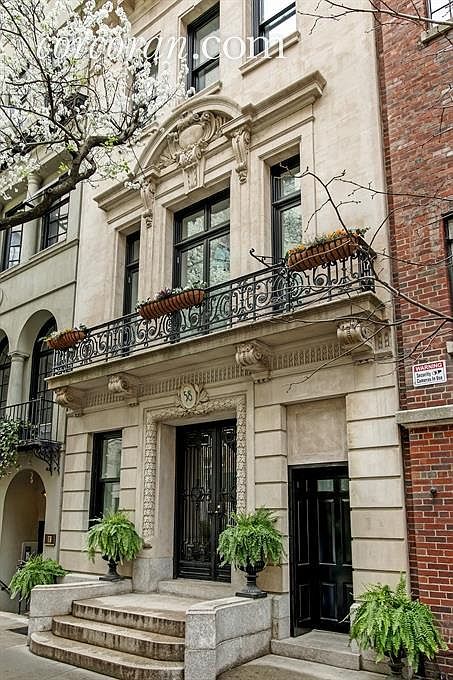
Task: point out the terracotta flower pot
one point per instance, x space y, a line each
66 340
173 303
338 249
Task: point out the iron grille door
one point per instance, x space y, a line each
205 497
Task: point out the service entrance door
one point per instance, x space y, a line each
205 497
320 534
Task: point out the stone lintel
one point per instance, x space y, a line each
420 417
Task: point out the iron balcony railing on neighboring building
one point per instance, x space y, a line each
38 429
270 292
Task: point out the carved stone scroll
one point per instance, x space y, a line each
255 358
125 385
70 398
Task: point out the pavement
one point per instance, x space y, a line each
18 663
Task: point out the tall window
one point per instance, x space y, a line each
449 231
202 242
5 367
131 272
203 49
55 224
12 246
273 20
153 57
42 362
286 206
106 468
442 10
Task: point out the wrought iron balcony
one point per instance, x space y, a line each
38 432
270 292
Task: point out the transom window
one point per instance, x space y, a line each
286 206
202 242
273 20
203 49
106 470
442 10
5 368
55 224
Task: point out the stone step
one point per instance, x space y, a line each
106 661
153 613
128 640
273 667
194 588
321 647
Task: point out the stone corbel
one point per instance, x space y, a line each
71 399
255 358
125 385
357 338
148 194
239 132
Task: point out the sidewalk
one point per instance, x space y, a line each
18 663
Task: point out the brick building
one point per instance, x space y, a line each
417 122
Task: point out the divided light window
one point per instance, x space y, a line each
441 10
202 242
273 20
203 51
106 468
12 246
55 224
131 272
286 206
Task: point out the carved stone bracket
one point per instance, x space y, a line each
148 193
255 358
126 385
240 137
152 420
364 340
70 398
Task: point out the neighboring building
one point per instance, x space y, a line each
269 393
418 123
37 292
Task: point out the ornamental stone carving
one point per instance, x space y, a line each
70 398
364 340
187 143
190 396
255 358
240 141
152 420
124 384
148 193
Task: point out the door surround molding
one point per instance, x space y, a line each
152 421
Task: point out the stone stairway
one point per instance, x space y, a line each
273 667
130 637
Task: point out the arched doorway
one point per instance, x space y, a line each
24 514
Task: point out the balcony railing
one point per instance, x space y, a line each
38 432
270 292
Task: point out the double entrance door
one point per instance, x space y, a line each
321 571
205 497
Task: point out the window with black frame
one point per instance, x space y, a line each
202 242
273 20
449 233
41 397
440 10
203 49
131 270
55 224
5 368
12 246
286 206
105 473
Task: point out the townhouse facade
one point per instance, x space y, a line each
273 391
37 293
418 140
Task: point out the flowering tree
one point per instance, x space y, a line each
76 86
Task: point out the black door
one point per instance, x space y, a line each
205 497
321 562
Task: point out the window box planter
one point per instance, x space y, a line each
154 309
66 339
330 250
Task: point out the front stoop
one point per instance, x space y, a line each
129 637
273 667
319 646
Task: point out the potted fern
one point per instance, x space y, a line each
36 571
115 537
250 543
394 625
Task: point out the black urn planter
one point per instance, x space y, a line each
396 666
251 589
112 574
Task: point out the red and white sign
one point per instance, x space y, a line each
429 374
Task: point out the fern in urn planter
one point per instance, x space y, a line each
115 537
250 543
36 571
394 625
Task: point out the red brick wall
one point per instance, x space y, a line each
418 141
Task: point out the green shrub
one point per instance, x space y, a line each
393 625
253 538
37 571
114 535
9 439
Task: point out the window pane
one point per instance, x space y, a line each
192 224
111 499
207 77
111 458
220 213
289 184
270 8
291 220
325 484
206 47
192 265
282 29
219 260
440 9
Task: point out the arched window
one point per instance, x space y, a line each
5 367
41 367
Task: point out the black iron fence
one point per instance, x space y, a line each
273 291
38 420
